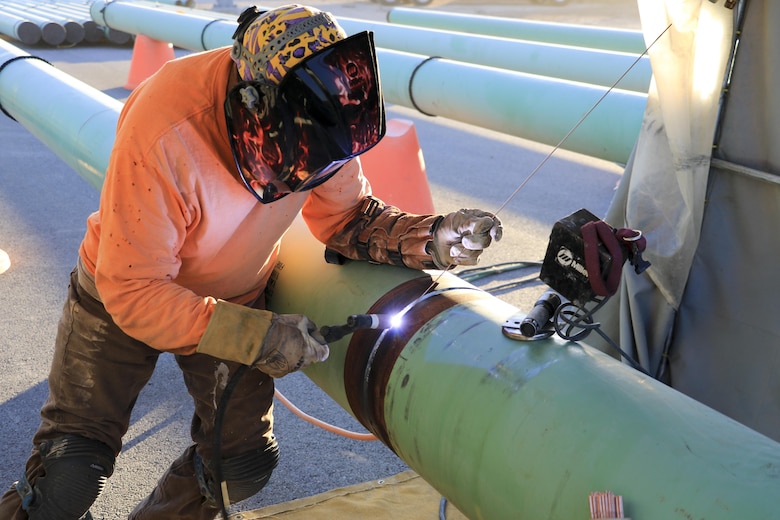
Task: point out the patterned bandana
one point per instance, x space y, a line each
278 39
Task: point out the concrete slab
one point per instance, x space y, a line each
43 207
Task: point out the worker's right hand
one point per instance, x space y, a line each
276 344
291 343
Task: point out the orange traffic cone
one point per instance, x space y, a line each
396 169
148 56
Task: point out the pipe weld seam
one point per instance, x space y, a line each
8 62
381 338
411 80
367 371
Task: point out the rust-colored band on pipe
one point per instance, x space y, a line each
372 353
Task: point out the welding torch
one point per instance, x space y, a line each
355 322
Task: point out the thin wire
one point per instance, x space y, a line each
550 154
577 125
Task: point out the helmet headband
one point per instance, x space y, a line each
327 110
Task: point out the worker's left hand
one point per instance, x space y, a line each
462 235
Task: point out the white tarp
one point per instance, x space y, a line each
702 187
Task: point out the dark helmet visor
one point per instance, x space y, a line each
327 110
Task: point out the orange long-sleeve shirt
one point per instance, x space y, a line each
176 229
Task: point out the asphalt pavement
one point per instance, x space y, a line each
43 207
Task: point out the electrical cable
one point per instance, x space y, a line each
219 417
322 424
443 509
216 459
513 285
569 317
476 273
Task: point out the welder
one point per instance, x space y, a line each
215 156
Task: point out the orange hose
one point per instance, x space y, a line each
322 424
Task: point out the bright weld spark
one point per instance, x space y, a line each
396 320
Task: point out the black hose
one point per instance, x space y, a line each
443 509
219 418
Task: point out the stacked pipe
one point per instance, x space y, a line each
19 28
54 23
503 429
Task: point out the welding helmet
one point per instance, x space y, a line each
309 100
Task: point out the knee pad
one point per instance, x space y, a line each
75 471
245 474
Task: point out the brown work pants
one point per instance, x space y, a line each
96 376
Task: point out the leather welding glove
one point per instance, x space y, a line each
460 237
276 344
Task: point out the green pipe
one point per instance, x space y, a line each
503 429
184 28
74 120
532 107
603 38
187 29
598 67
507 429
